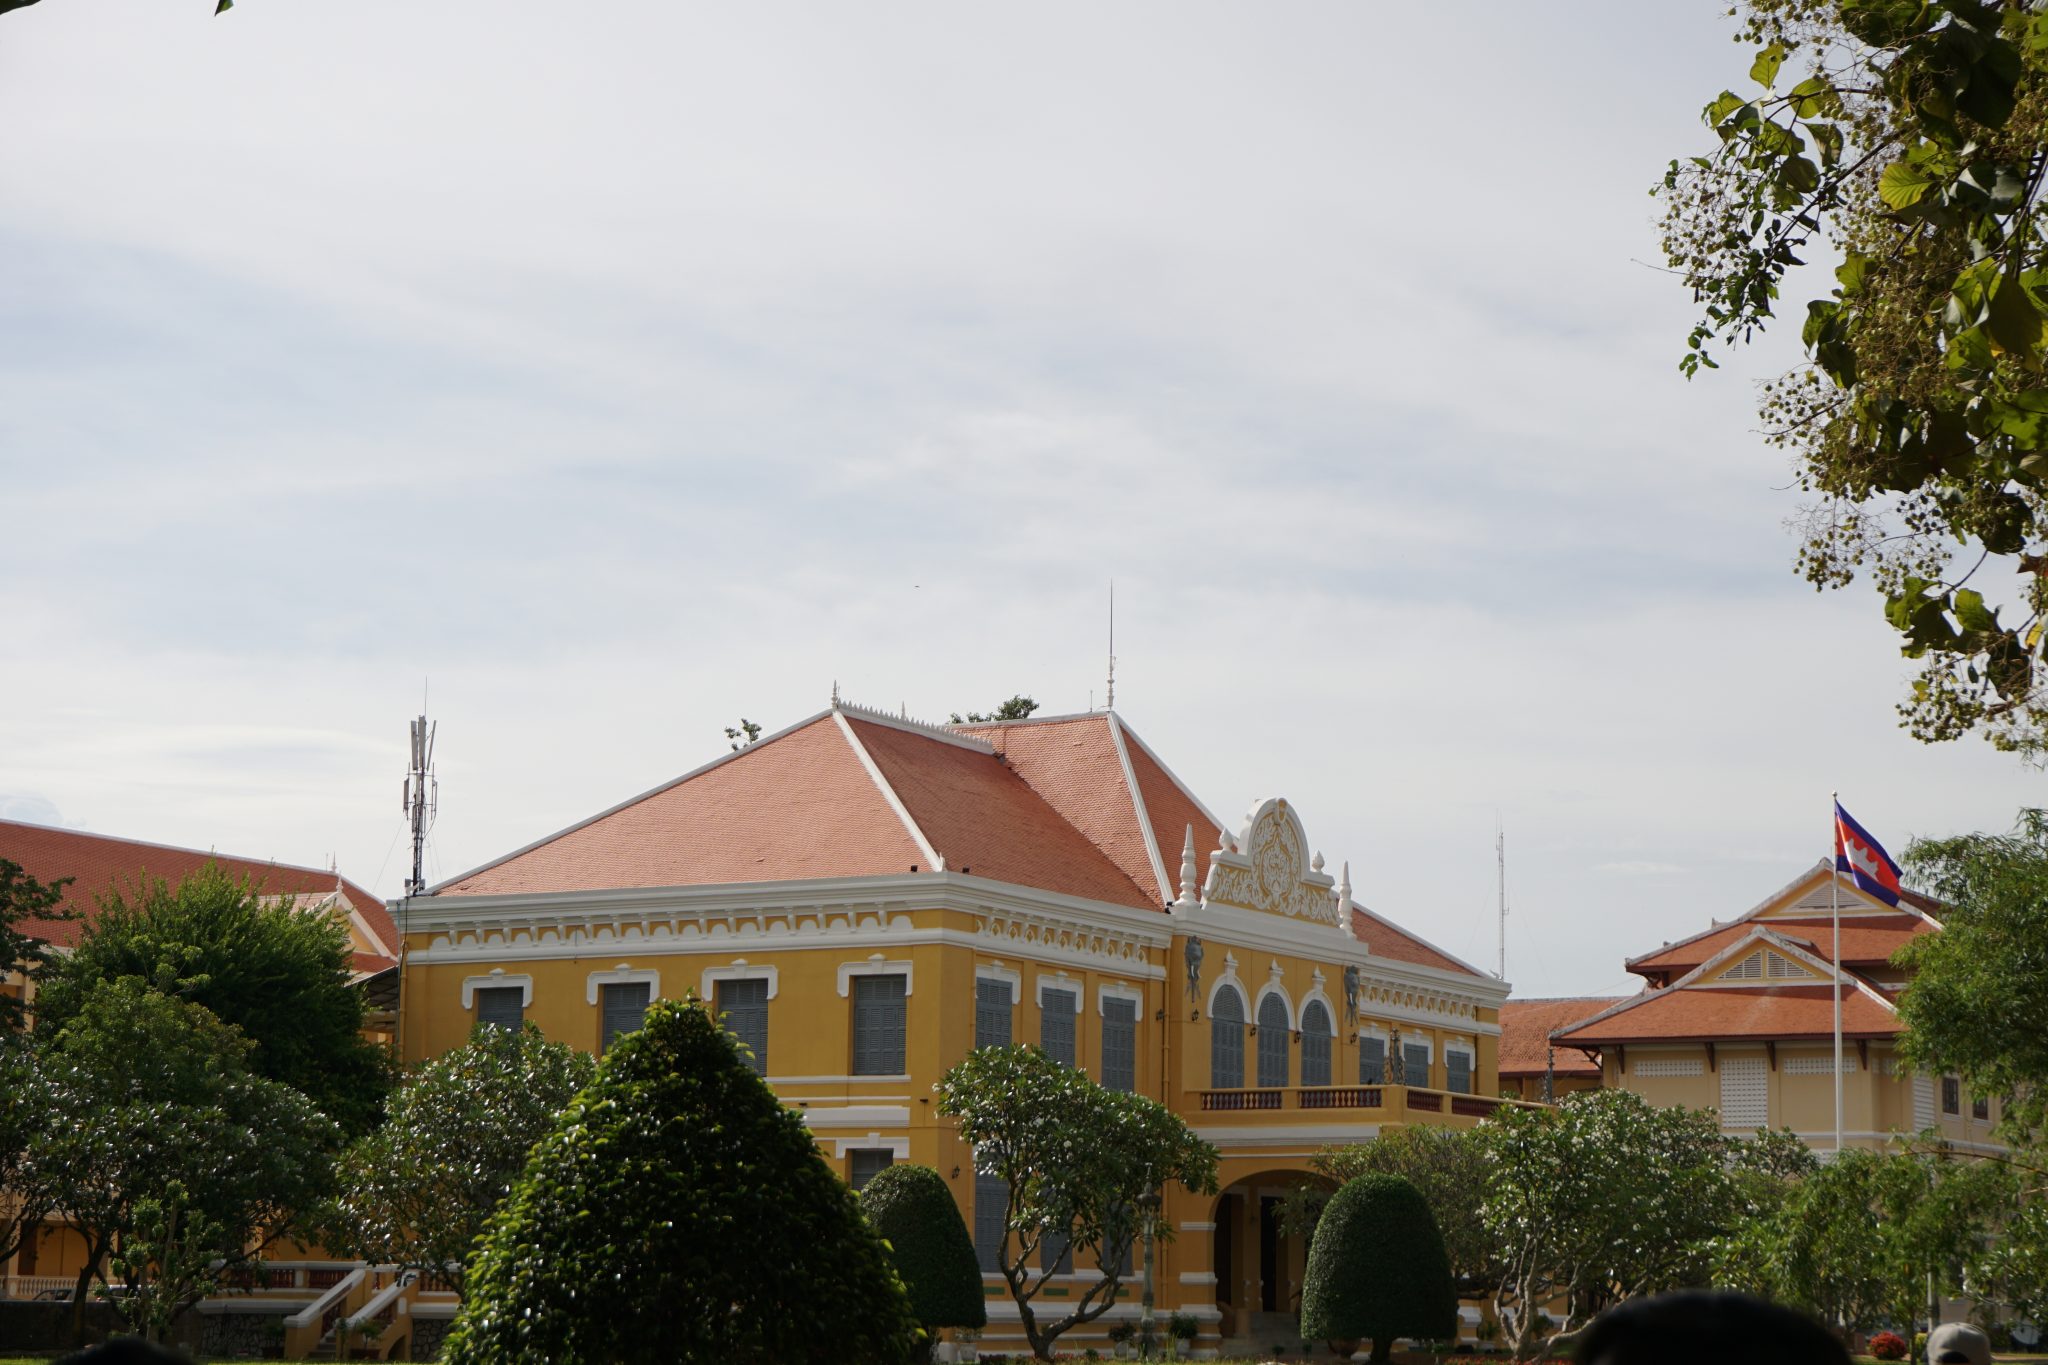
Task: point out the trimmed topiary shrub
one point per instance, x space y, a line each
1888 1346
911 1209
1377 1268
678 1212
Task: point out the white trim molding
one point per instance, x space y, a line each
1118 991
740 970
1010 976
1228 977
623 975
876 965
494 979
1073 985
855 1115
1272 988
898 1148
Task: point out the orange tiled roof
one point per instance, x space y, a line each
99 864
1525 1029
1039 803
1702 1013
1867 940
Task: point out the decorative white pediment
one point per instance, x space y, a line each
1269 868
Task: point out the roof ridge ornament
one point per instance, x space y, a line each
1344 903
1190 891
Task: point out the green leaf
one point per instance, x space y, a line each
1971 611
2013 322
1814 97
1764 70
2023 417
1904 184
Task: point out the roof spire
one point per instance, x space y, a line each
1344 901
1189 895
835 693
1109 699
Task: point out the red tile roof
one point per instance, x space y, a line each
1388 940
100 864
1525 1029
1703 1013
1867 940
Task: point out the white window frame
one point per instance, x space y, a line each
493 981
1286 1003
1105 994
1074 985
1010 976
622 975
874 966
740 970
899 1146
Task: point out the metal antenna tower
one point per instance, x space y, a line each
422 800
1500 863
1109 701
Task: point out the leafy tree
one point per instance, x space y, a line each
23 1111
1601 1199
1377 1269
279 976
418 1190
915 1214
1912 139
1016 708
743 734
163 1149
678 1212
23 898
1972 1005
1444 1164
1075 1158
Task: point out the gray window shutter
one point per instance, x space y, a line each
1315 1044
878 1026
1056 1025
1226 1041
991 1206
501 1006
745 1007
1056 1253
1415 1065
625 1006
1120 1044
1273 1032
869 1162
991 1013
1372 1060
1457 1073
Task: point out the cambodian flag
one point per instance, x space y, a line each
1864 859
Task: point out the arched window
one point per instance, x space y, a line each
1226 1040
1315 1044
1273 1030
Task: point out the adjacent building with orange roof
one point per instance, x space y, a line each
1740 1018
1532 1066
867 898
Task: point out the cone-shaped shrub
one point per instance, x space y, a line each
913 1211
678 1212
1377 1269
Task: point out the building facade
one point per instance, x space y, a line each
1740 1018
867 898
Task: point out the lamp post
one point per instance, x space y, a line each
1148 1212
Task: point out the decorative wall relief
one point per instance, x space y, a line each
1270 869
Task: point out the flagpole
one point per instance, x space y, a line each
1835 914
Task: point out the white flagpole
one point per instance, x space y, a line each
1835 913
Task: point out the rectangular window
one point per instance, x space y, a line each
1458 1072
1980 1107
744 1005
625 1006
991 1013
501 1006
865 1163
1056 1011
991 1211
1951 1095
1120 1044
1415 1065
878 1025
1056 1253
1372 1060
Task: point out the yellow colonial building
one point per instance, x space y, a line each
868 898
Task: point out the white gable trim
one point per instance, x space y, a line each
1138 810
931 855
494 979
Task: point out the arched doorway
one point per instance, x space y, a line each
1258 1263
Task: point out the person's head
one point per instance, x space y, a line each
125 1351
1958 1343
1703 1328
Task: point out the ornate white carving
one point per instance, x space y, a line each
1273 873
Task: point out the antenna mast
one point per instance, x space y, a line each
1500 861
422 801
1109 702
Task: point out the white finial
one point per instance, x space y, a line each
1344 901
1188 891
1223 844
835 691
1315 864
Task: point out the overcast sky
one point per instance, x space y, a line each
622 371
